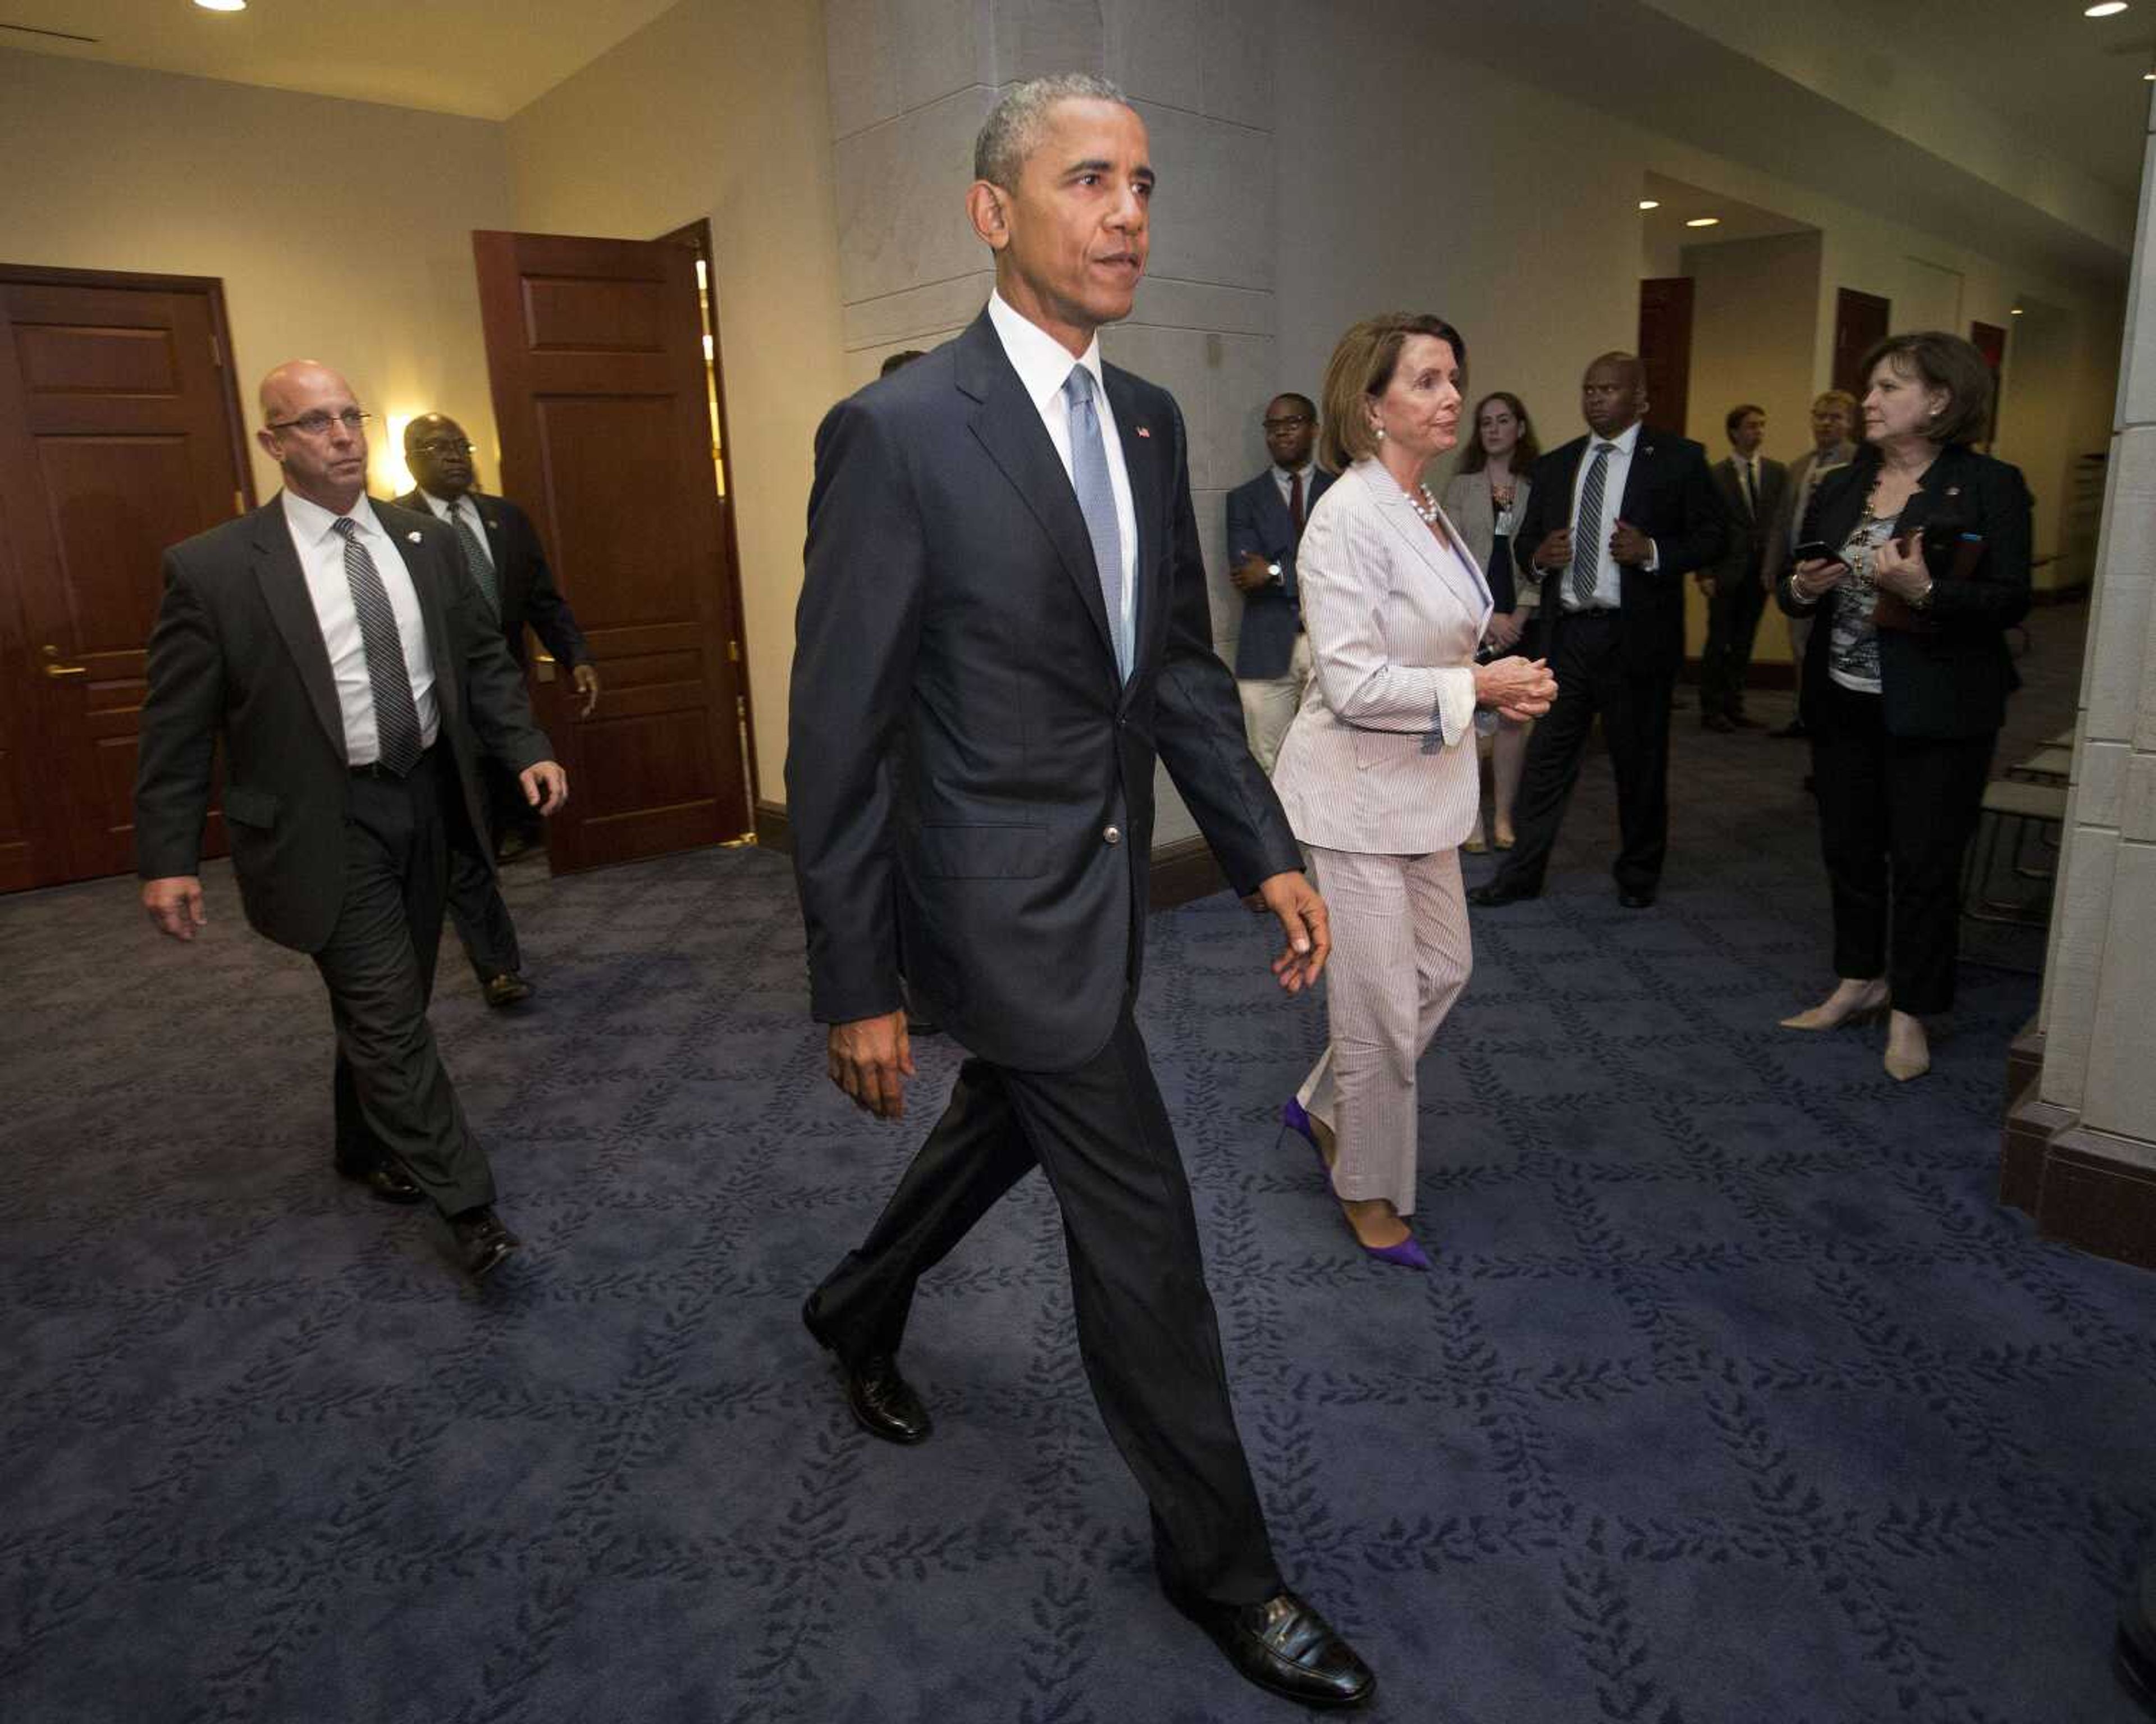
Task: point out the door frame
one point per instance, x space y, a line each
696 235
47 850
211 287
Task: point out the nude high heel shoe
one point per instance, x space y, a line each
1868 1003
1908 1049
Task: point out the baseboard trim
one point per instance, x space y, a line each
773 832
1181 871
2093 1190
1771 675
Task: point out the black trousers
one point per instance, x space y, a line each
393 1099
1146 1330
1587 661
476 908
1896 815
1732 625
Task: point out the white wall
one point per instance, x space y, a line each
718 109
341 229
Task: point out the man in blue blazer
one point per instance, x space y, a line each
1265 518
1616 521
1002 622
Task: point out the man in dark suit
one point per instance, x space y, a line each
1751 488
1004 618
1611 536
1265 518
339 652
1833 421
499 548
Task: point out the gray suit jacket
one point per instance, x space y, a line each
968 776
237 657
1469 506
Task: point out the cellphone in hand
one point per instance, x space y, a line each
1814 550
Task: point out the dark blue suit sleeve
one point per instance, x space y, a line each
1702 527
856 632
1199 717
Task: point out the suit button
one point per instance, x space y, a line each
1112 835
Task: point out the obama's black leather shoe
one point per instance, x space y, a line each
883 1402
1634 898
385 1181
482 1241
1284 1646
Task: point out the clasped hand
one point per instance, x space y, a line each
1515 687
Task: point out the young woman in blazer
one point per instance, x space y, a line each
1906 675
1378 774
1485 498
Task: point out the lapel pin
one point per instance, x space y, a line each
413 536
1144 432
1954 491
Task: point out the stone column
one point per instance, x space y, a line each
910 82
2080 1150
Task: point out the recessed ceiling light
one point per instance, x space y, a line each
1704 221
2104 8
221 5
1651 203
2148 77
2016 312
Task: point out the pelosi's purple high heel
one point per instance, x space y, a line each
1295 1120
1407 1254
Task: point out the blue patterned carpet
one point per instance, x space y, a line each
1734 1397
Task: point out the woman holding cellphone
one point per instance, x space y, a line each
1915 563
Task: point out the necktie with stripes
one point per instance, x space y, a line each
396 714
1587 528
477 563
1096 501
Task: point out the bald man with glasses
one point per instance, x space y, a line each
337 651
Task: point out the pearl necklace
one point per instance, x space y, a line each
1424 504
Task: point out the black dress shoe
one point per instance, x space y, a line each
1284 1646
883 1403
1738 721
1495 894
1791 731
507 989
482 1241
1717 722
1636 900
386 1181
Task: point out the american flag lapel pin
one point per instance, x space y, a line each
1144 432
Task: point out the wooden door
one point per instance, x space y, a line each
119 434
1665 348
595 353
1989 340
1861 321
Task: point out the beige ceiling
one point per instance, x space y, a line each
483 58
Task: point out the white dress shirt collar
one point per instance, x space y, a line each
311 524
1626 440
1042 363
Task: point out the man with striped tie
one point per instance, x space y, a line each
503 556
1616 521
338 651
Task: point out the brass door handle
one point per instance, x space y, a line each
57 670
546 661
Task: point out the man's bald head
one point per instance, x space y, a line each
312 427
1613 395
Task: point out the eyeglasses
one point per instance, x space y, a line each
1286 422
443 445
315 424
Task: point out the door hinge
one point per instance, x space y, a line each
733 651
239 503
215 352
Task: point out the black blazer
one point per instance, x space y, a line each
237 656
1750 533
951 630
1669 496
1258 521
1953 677
526 585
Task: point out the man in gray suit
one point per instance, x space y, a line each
1265 518
337 649
1003 626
